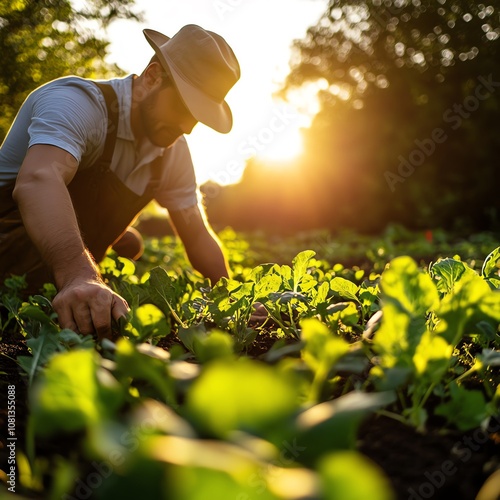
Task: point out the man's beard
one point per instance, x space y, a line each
163 137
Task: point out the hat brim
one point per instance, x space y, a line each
214 114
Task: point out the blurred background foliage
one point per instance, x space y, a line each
391 76
45 39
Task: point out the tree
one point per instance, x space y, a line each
409 98
45 39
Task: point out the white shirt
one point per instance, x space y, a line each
70 113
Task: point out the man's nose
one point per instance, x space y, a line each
188 125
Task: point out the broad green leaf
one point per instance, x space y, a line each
398 336
472 297
145 362
70 395
448 272
307 283
322 349
148 315
491 268
344 289
30 311
321 294
432 357
149 321
163 287
300 266
241 395
404 284
215 345
340 475
270 283
286 275
207 346
258 273
467 409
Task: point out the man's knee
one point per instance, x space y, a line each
130 245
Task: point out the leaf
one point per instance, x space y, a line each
322 349
340 474
398 336
163 285
411 290
30 311
42 349
321 294
471 298
268 284
164 292
448 272
300 265
466 409
344 289
432 357
215 345
241 395
407 295
149 321
69 396
491 268
145 363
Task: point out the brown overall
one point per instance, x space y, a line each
104 208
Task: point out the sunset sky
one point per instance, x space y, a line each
260 33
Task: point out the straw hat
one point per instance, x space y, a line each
203 67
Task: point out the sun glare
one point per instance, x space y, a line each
286 146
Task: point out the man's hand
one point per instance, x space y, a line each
87 307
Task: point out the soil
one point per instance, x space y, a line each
434 465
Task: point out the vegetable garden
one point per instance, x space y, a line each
374 375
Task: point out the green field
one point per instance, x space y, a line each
364 348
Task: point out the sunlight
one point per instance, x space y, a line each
286 146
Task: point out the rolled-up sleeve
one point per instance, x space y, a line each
69 117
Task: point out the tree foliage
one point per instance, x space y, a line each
408 127
45 39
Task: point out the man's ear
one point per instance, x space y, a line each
153 74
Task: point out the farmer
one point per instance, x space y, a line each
83 158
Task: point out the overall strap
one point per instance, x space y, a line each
104 161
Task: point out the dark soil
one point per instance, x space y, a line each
434 465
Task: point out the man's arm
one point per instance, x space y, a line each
202 246
83 303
